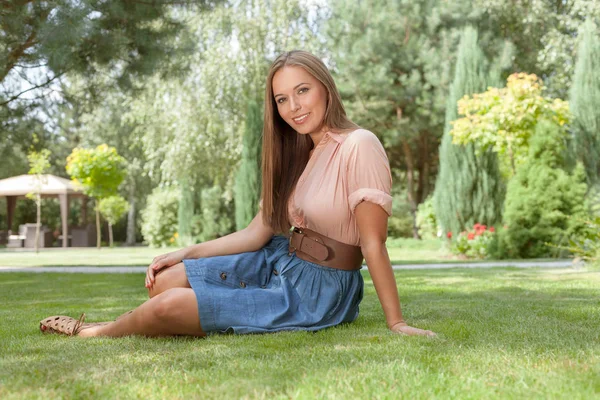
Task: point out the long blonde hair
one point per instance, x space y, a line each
285 153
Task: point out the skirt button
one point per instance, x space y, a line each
242 284
223 275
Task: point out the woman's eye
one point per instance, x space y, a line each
302 90
280 100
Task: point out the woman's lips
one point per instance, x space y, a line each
301 119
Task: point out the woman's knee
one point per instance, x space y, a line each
168 304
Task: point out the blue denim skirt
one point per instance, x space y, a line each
269 290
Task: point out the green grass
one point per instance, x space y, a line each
80 256
502 333
402 251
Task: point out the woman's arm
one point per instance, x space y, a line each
251 238
372 227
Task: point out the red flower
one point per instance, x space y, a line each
492 229
476 226
471 236
449 235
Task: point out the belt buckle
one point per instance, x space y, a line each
295 230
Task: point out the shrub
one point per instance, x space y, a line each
214 220
426 221
159 218
474 243
544 203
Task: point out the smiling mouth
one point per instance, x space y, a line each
301 119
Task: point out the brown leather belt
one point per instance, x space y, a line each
316 248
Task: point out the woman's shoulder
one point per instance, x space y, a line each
361 137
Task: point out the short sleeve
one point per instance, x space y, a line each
368 171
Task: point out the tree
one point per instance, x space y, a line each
247 180
112 209
504 120
469 188
544 203
584 100
392 62
59 37
38 163
99 172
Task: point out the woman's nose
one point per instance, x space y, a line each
294 104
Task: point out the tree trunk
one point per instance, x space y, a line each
410 172
98 241
38 202
110 235
131 216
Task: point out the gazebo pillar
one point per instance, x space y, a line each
11 202
64 216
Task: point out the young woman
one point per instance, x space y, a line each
323 176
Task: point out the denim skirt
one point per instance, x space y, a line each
270 290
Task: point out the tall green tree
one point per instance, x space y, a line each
584 101
99 172
247 180
469 187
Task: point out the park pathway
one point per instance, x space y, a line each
140 269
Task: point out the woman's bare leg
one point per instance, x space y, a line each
172 312
168 278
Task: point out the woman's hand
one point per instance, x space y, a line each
161 262
404 329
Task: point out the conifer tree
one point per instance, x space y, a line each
584 100
469 187
247 181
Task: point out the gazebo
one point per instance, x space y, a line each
19 186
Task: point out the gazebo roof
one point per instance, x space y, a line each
23 184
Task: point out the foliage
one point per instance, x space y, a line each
38 162
185 213
392 60
585 101
400 223
504 120
544 203
202 114
586 244
159 218
112 208
426 220
247 180
128 38
98 171
469 186
474 243
214 220
544 35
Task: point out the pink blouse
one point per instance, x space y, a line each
344 170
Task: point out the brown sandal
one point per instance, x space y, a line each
62 324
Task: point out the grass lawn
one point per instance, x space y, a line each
402 251
503 333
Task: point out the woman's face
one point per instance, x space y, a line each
301 99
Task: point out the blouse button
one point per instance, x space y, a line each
275 272
223 275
